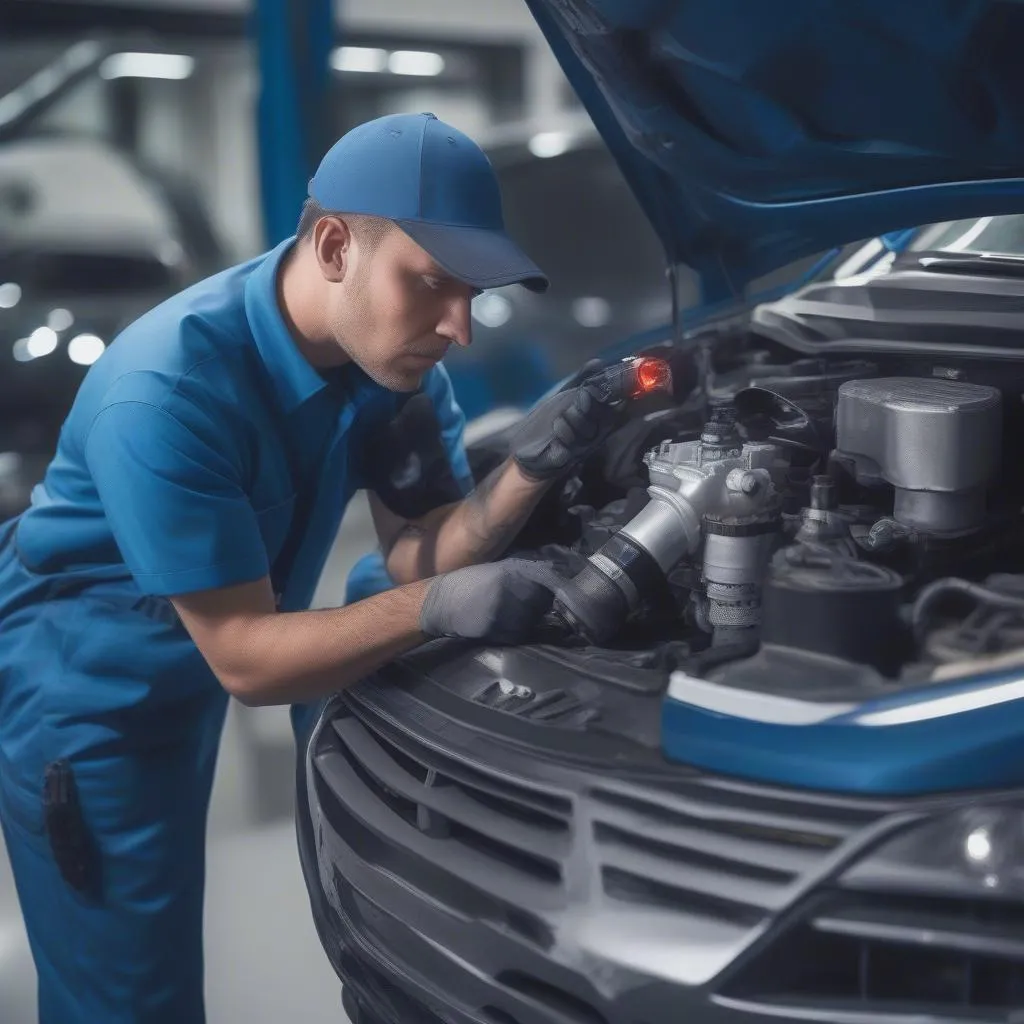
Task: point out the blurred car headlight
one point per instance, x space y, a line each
976 850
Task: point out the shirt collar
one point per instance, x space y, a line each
294 380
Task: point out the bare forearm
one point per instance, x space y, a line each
300 656
477 529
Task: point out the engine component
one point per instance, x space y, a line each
821 523
715 480
988 638
1001 591
768 415
937 442
736 555
828 602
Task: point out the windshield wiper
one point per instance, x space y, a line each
974 262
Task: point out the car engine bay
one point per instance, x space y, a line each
796 524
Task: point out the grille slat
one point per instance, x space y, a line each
501 822
340 773
704 880
737 860
733 846
877 953
840 815
931 931
404 747
545 838
452 801
628 887
790 825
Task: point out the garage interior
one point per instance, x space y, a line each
155 109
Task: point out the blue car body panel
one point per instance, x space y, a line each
758 132
934 738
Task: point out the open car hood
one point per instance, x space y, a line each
758 132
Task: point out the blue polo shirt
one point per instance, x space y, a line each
184 460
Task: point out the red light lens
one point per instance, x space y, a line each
652 375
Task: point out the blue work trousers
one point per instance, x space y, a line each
102 687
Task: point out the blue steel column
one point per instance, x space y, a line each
294 40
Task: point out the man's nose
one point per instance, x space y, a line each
457 325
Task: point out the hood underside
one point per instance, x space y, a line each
758 132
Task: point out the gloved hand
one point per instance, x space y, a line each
564 429
497 601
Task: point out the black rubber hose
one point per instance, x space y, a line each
976 591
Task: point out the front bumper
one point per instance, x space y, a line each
456 877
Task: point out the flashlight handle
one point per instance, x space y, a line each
614 383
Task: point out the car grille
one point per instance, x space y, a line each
707 849
883 953
729 852
512 826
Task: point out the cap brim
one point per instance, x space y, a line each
481 258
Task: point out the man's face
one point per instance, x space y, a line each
396 312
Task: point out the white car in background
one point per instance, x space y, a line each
87 243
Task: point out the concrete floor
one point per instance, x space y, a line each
264 962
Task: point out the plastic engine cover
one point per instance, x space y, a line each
920 434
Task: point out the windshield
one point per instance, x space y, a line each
992 235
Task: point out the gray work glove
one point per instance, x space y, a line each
498 601
564 429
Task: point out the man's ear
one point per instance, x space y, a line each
332 243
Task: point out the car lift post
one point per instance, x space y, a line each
294 42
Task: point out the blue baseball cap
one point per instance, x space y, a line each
439 187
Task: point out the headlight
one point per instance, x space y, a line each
972 851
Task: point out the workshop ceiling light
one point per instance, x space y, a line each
41 342
546 144
591 311
359 58
172 66
60 320
10 295
415 62
85 349
491 309
13 105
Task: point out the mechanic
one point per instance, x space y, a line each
169 557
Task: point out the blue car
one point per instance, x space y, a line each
763 761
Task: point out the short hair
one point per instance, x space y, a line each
368 229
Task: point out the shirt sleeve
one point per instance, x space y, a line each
438 386
174 502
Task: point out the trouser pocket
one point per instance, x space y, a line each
73 847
